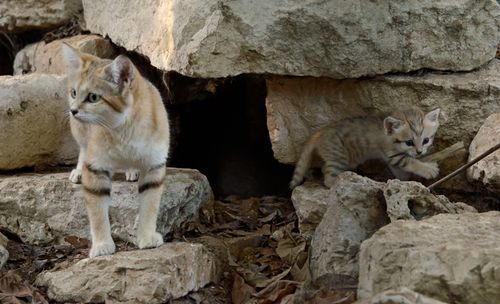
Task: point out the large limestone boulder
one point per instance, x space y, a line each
337 39
453 258
296 107
486 171
310 200
141 276
356 210
46 208
47 58
23 15
34 122
400 296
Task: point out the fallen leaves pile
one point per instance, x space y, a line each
267 257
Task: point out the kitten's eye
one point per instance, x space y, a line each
92 98
73 93
409 142
425 141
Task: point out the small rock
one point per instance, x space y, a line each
412 200
451 257
47 58
141 276
34 122
486 171
46 208
310 201
400 296
4 254
23 15
356 211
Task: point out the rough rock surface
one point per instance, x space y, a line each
412 200
399 296
356 211
296 107
45 208
23 15
141 276
34 123
450 257
487 171
337 39
310 201
4 254
47 58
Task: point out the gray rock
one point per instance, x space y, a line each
450 257
399 296
46 208
356 210
4 254
141 276
310 200
34 122
23 15
486 171
47 58
412 200
337 39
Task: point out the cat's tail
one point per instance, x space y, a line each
304 161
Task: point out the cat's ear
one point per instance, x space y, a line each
120 71
392 125
71 57
433 116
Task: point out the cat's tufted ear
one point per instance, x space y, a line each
433 116
71 57
392 125
120 72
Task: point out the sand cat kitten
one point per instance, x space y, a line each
397 140
119 122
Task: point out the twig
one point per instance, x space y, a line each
443 154
467 165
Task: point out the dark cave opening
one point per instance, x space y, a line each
219 127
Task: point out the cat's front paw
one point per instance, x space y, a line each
430 170
102 248
75 176
132 175
149 240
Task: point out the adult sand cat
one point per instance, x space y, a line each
119 122
397 139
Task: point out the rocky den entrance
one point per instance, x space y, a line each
245 85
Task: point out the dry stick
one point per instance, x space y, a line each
467 165
445 153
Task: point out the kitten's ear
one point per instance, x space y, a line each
71 56
121 71
433 116
392 125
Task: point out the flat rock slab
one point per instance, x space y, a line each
24 15
46 208
400 296
337 39
486 171
34 122
454 258
141 276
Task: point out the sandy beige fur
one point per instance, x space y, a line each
396 139
119 121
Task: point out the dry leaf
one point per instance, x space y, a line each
242 292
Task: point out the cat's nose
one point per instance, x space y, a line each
419 152
74 111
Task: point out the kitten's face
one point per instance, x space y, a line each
412 132
98 88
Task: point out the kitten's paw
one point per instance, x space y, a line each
132 175
149 240
75 176
430 170
103 248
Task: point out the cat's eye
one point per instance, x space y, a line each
425 141
73 93
409 142
92 98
